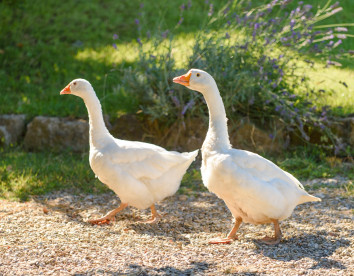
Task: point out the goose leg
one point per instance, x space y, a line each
155 217
277 237
231 236
110 216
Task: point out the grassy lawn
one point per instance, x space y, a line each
46 44
23 174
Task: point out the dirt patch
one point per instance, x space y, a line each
49 235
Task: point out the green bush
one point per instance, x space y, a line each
258 56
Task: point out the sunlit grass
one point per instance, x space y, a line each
336 82
31 173
128 52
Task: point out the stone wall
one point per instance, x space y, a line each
56 134
12 129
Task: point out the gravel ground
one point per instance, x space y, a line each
49 235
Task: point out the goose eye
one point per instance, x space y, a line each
74 83
198 75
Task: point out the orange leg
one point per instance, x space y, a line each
110 216
155 217
277 237
231 236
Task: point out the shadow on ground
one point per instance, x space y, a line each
193 215
134 269
319 247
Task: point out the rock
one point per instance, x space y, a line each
246 135
12 128
128 127
351 139
344 129
5 136
57 134
64 133
186 136
106 120
349 126
190 134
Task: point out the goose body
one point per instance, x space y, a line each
141 174
254 189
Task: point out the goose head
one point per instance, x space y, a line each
196 79
78 87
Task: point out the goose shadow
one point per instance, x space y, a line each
178 220
135 270
318 247
178 217
194 215
71 205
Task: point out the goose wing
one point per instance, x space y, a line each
263 169
143 160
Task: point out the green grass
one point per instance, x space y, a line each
23 174
41 43
309 164
349 188
46 44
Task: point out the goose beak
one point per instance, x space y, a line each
66 90
184 79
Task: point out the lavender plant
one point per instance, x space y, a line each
257 55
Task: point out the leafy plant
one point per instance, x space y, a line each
258 56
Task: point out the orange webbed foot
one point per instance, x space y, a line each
155 217
269 241
222 240
101 221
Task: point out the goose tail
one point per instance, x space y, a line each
308 198
190 155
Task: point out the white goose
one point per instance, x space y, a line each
253 188
141 174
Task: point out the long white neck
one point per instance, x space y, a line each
98 130
217 137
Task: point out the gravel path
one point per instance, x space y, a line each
49 235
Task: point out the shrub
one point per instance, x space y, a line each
258 56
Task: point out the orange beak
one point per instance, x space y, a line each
66 90
184 79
